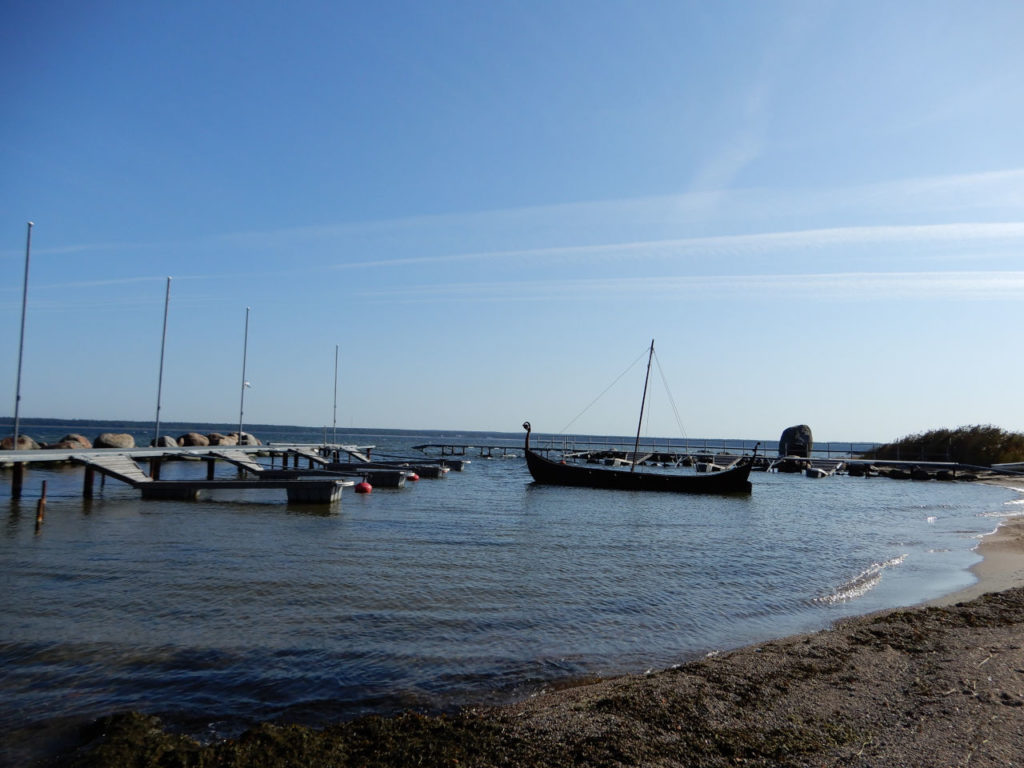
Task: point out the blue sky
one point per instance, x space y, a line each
816 209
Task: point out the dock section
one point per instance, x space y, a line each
319 467
308 490
314 486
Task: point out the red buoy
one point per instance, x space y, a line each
413 477
363 487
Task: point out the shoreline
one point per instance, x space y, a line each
919 687
938 684
1002 555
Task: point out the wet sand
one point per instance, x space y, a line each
1002 564
937 685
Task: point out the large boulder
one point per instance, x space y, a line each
114 440
71 442
164 441
193 439
246 439
796 441
80 441
25 443
216 438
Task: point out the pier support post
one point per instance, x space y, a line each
17 479
154 468
210 464
90 475
41 508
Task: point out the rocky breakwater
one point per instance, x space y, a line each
125 441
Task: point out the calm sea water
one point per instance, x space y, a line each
480 587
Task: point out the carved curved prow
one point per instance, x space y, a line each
528 428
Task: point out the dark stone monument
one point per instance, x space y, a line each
796 441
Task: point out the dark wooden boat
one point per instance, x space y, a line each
735 479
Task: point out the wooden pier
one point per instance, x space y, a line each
314 485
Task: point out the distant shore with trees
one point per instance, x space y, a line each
980 444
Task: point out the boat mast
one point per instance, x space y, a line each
643 402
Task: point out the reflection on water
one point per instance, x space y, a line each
477 587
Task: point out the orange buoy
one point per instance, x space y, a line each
413 477
363 487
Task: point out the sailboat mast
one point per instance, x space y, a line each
643 402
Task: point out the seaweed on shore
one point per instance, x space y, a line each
921 687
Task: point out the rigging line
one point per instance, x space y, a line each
603 393
671 400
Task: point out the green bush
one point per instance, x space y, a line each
981 444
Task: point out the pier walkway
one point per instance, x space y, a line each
302 486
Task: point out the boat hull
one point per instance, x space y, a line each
548 472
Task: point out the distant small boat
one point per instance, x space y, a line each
544 470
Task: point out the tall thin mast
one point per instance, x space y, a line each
245 355
334 428
160 378
21 341
643 402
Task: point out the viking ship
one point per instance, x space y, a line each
735 479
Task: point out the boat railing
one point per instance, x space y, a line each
583 445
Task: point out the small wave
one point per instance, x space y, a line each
1008 512
863 583
983 534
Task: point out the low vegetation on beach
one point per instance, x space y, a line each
980 444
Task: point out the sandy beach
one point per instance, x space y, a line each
1002 564
935 685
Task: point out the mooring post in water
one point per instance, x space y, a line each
41 508
154 467
90 475
17 479
210 466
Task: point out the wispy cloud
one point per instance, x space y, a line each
745 221
753 244
848 286
104 283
